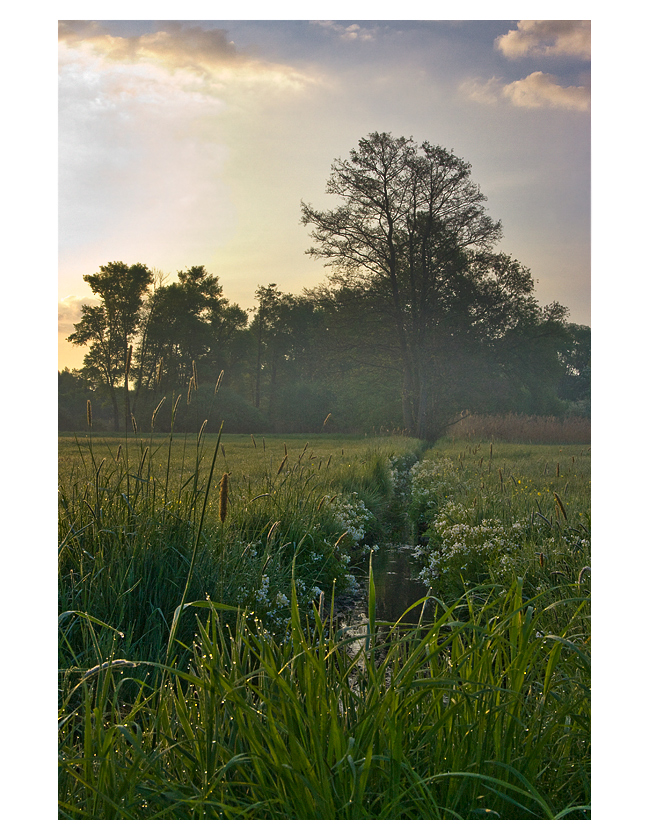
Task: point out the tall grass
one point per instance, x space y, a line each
459 719
521 428
192 687
142 529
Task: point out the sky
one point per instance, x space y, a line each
193 142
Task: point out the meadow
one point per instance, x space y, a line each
203 676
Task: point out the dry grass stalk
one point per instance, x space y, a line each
223 497
89 413
282 463
156 410
560 505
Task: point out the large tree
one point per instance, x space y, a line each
111 326
412 243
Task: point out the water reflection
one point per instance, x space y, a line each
397 584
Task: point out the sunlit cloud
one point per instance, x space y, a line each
541 90
547 38
189 52
538 90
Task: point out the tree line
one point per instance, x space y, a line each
422 320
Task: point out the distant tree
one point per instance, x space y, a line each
110 327
575 357
190 327
284 330
411 244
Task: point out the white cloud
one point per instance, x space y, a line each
354 32
541 90
547 38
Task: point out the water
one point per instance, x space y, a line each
397 585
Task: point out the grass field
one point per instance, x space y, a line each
249 703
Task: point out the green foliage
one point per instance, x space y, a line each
460 719
495 511
130 522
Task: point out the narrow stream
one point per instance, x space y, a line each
397 585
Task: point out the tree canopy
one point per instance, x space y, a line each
412 244
422 319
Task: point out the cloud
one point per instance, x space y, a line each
70 311
541 90
179 48
538 90
487 93
541 38
354 32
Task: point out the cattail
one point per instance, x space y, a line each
218 385
159 372
195 376
89 413
128 362
201 431
190 388
326 419
282 463
223 497
541 558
